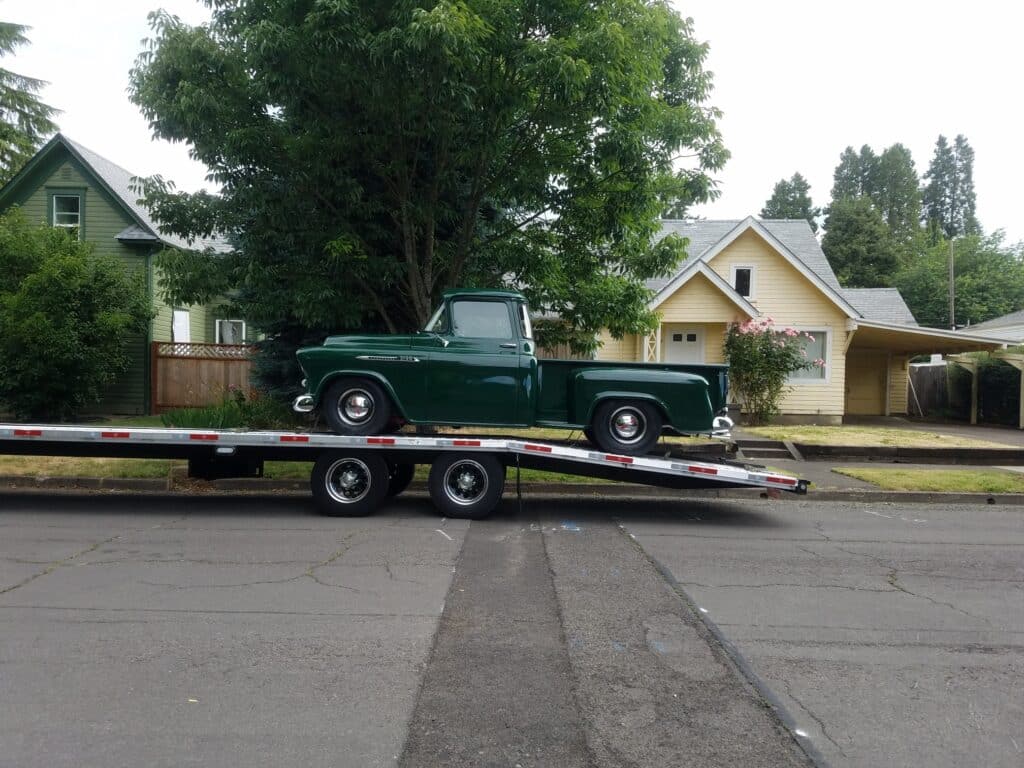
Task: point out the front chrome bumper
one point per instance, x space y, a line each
303 404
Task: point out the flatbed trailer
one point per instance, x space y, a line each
352 475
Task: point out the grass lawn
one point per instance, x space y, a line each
939 480
868 436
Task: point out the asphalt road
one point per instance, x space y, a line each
217 631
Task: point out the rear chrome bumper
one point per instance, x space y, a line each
303 404
721 427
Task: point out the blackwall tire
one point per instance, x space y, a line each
354 406
400 475
628 427
466 486
349 483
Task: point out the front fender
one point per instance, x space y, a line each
326 381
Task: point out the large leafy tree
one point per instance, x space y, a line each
989 280
949 199
371 154
858 245
67 317
25 121
791 199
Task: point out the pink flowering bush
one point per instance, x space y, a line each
761 358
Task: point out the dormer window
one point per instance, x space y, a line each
743 281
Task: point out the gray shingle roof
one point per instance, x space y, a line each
1014 318
794 234
884 305
120 183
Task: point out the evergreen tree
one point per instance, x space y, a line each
24 119
846 180
791 199
897 194
858 245
948 198
868 167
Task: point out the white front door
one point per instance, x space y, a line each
682 344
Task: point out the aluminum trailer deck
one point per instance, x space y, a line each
352 475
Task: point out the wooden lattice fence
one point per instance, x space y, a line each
187 375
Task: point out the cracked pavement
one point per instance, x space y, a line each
893 635
193 631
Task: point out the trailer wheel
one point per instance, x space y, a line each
354 406
466 486
626 426
399 477
349 484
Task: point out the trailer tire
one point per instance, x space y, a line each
466 486
631 427
354 406
349 483
399 477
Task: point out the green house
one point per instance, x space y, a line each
67 185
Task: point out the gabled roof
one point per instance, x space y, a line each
883 305
119 184
698 267
792 239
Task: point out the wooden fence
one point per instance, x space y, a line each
185 375
929 391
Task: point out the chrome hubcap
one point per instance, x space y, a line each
628 425
465 482
356 406
348 480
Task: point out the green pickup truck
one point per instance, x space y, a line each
475 364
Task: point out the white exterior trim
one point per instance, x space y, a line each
936 332
815 330
753 279
699 267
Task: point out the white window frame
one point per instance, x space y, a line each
753 285
77 226
816 332
218 336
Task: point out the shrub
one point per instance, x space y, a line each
237 410
67 317
761 357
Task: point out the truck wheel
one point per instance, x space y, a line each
466 486
349 484
626 426
589 434
399 477
356 407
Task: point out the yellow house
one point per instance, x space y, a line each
738 270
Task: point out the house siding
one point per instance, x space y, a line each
783 293
899 376
619 350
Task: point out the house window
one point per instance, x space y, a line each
230 332
67 214
743 281
181 327
816 348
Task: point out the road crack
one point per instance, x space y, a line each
807 710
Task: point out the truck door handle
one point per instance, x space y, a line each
509 345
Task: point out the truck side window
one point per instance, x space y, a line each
481 320
525 326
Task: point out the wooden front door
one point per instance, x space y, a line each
866 381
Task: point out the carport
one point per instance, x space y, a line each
878 361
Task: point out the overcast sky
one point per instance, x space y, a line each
797 80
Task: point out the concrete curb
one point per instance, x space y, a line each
893 454
255 486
